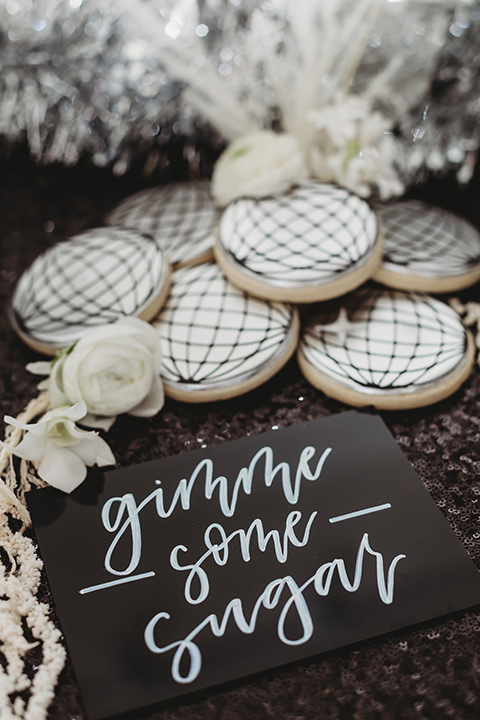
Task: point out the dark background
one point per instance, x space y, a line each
432 671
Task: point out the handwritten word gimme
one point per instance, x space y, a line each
120 514
220 551
269 599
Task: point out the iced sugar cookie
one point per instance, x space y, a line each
385 348
181 217
92 279
316 242
427 248
219 342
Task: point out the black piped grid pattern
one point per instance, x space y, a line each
428 239
397 340
181 217
92 279
211 332
309 235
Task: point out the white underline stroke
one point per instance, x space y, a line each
357 513
112 583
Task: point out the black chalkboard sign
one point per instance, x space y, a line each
189 571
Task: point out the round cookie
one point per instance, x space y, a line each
427 248
316 242
384 348
180 216
218 342
91 279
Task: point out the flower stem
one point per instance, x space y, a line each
12 488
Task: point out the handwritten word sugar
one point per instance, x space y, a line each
270 599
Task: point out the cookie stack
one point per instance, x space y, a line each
234 295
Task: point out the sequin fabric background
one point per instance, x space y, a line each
427 672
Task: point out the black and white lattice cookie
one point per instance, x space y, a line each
386 348
89 280
316 242
427 248
217 341
181 217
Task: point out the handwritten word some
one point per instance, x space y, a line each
125 510
220 551
270 599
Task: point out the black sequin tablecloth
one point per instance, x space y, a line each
431 671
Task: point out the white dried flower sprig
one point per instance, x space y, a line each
353 147
295 62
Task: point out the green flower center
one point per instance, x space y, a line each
240 152
60 433
353 149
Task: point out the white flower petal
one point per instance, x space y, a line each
112 369
153 403
58 398
122 385
62 468
258 165
42 367
138 326
30 448
38 428
75 412
95 451
64 432
100 422
125 326
352 147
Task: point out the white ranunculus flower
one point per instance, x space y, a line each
258 165
60 449
114 368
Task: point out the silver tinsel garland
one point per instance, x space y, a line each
75 83
87 78
445 133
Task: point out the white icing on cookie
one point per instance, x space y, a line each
395 342
309 236
425 240
181 217
214 336
92 279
